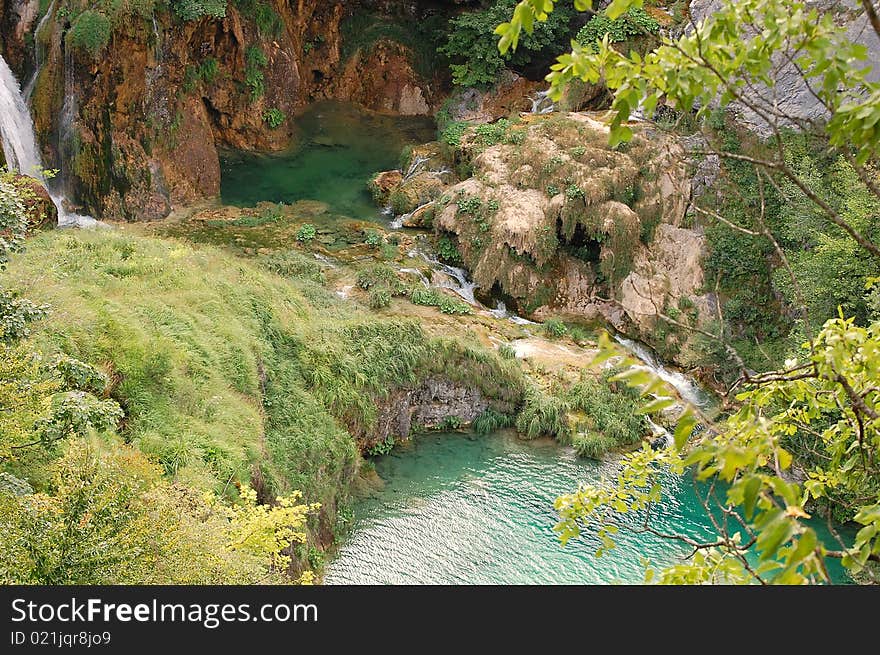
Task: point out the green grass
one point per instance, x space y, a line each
227 370
544 415
608 417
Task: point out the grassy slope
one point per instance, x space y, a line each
228 372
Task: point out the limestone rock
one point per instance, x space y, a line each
425 406
512 93
41 210
789 93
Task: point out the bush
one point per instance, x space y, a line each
543 415
197 9
263 14
77 375
16 314
380 298
491 421
294 265
448 251
382 447
255 61
274 117
610 409
306 233
373 238
633 24
453 132
90 32
13 217
473 47
592 444
555 328
381 275
434 298
506 351
450 423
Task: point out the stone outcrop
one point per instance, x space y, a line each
511 93
382 78
41 210
789 93
556 222
426 406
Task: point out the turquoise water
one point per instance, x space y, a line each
339 147
466 509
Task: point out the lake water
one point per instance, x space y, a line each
467 509
338 148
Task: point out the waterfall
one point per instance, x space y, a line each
16 127
397 223
685 386
456 278
38 53
542 104
414 167
20 143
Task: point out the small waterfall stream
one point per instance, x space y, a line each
542 104
20 143
38 53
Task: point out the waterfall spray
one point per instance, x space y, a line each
20 143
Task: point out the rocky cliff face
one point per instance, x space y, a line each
135 127
426 406
559 224
789 94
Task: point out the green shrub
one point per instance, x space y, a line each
197 9
506 351
382 447
472 45
379 274
450 423
16 314
448 251
90 32
634 23
592 444
373 238
78 376
274 117
469 205
453 132
263 14
306 233
294 265
543 415
380 298
255 61
610 409
434 298
555 328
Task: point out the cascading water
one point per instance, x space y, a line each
20 143
542 104
688 390
38 53
16 127
455 279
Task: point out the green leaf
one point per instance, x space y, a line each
750 495
683 430
656 405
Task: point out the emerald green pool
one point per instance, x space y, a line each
338 148
467 509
